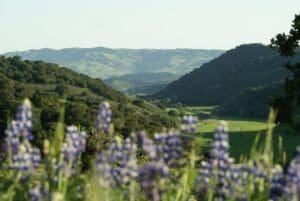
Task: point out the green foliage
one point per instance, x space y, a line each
227 76
46 83
173 113
253 103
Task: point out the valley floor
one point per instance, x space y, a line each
242 132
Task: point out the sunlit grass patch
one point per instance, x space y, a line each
234 124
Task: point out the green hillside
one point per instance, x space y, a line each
45 84
254 102
104 63
141 83
229 75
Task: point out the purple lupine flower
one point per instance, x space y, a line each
12 137
26 158
37 192
258 170
189 124
292 183
24 118
147 145
203 179
118 164
74 144
17 141
105 164
153 174
169 146
128 168
103 121
35 157
104 168
20 127
219 158
277 184
152 177
239 178
219 171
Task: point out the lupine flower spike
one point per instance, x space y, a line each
73 146
103 122
18 140
189 124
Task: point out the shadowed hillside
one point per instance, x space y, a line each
254 102
232 73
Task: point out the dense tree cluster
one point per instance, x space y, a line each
254 102
45 84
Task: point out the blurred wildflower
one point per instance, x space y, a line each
22 156
147 145
203 180
277 184
103 121
118 164
152 178
153 175
292 185
189 124
74 145
219 174
38 192
169 145
127 168
220 161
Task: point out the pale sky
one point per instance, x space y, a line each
199 24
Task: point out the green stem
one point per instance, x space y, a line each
10 191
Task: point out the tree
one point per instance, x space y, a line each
61 89
288 104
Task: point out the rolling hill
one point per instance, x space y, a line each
232 73
104 63
45 84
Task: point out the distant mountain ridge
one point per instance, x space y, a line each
104 63
246 66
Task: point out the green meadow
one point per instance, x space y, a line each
242 132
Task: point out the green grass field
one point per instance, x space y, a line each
243 132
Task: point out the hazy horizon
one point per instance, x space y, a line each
119 48
137 24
